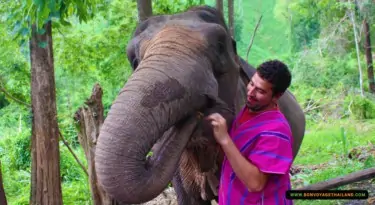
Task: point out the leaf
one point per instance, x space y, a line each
25 31
17 28
41 31
42 44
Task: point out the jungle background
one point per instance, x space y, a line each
323 46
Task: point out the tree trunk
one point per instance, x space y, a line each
45 179
89 120
351 13
370 68
144 9
219 5
3 199
231 17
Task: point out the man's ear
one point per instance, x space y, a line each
277 96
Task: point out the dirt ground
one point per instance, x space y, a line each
368 185
168 197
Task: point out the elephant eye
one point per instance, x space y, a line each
221 47
134 63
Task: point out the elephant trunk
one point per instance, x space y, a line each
159 101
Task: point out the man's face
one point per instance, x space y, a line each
259 94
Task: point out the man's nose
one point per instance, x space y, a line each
250 91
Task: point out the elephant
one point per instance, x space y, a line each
185 66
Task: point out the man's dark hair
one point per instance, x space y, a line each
277 73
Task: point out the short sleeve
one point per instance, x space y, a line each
272 153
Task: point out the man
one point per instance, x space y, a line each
258 149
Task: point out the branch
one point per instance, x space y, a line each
2 89
74 155
342 180
336 27
252 38
314 105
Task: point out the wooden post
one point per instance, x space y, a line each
88 122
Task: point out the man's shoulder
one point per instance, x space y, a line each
273 116
276 122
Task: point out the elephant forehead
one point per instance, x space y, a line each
175 30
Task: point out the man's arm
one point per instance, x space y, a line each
248 173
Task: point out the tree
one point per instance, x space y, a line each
366 10
231 17
219 5
352 18
144 9
3 199
45 167
367 46
89 121
35 23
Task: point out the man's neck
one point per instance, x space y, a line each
268 108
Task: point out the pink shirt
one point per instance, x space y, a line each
265 140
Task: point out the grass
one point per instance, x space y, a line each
323 145
324 140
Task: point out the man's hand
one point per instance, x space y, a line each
219 125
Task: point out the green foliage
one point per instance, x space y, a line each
3 101
15 161
344 142
18 158
14 119
14 69
96 51
70 170
173 6
369 162
312 69
17 186
77 192
271 39
309 17
360 108
304 31
26 13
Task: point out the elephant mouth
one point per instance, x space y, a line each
155 154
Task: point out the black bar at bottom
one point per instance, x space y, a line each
327 194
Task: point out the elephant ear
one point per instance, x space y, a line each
212 15
209 15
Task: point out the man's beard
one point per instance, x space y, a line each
255 108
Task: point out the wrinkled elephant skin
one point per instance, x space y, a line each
185 67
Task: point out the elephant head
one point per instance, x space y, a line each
183 64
